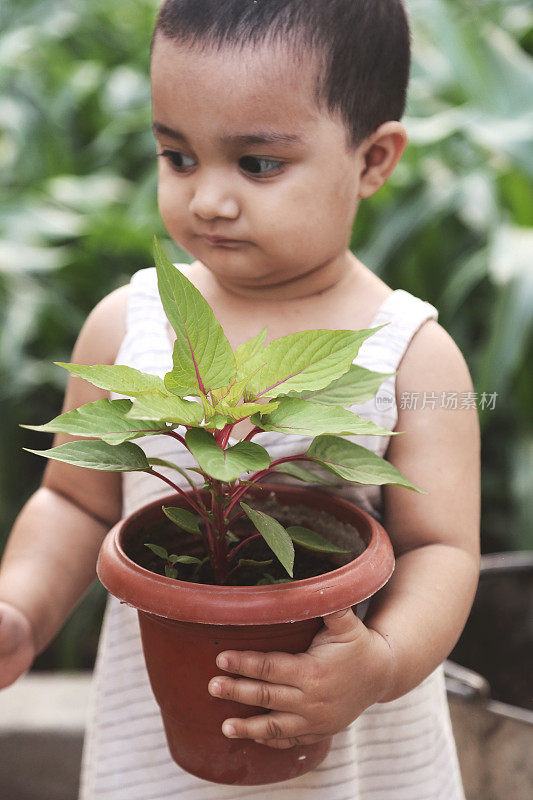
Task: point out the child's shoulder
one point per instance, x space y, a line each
433 358
104 329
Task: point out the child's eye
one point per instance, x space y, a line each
176 159
252 164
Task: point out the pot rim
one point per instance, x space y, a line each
298 600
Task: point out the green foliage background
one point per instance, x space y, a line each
78 212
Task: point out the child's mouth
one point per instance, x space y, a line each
219 242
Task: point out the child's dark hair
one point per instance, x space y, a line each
362 47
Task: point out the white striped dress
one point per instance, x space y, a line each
402 750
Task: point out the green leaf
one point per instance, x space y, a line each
249 562
231 537
268 578
104 419
356 386
305 418
183 518
159 551
274 535
127 457
170 572
248 350
312 541
244 410
217 421
235 390
295 470
200 565
184 559
225 465
167 408
116 378
305 360
355 463
202 356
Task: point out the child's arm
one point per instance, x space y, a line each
50 557
415 620
423 608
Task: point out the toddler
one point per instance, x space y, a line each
273 119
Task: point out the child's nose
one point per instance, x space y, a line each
212 197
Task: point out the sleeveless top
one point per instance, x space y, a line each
400 750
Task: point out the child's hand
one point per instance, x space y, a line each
313 695
17 649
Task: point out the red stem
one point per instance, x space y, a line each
227 433
216 541
191 502
241 490
236 517
219 539
231 554
184 443
177 436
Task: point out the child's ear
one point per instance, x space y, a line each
379 155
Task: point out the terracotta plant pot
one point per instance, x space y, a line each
185 625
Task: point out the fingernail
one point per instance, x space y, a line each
222 662
228 730
215 688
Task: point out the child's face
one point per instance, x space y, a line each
290 205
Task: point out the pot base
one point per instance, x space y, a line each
180 657
238 762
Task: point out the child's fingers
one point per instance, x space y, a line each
284 744
340 627
281 668
257 693
342 623
275 725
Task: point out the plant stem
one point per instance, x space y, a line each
231 554
177 436
241 490
211 551
194 488
191 502
219 539
237 516
227 433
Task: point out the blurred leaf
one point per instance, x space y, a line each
16 257
90 191
511 325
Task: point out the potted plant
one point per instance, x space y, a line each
205 569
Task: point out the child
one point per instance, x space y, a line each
273 119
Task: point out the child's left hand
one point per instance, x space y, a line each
313 695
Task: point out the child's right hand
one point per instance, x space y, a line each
17 648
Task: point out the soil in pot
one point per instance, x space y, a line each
307 563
